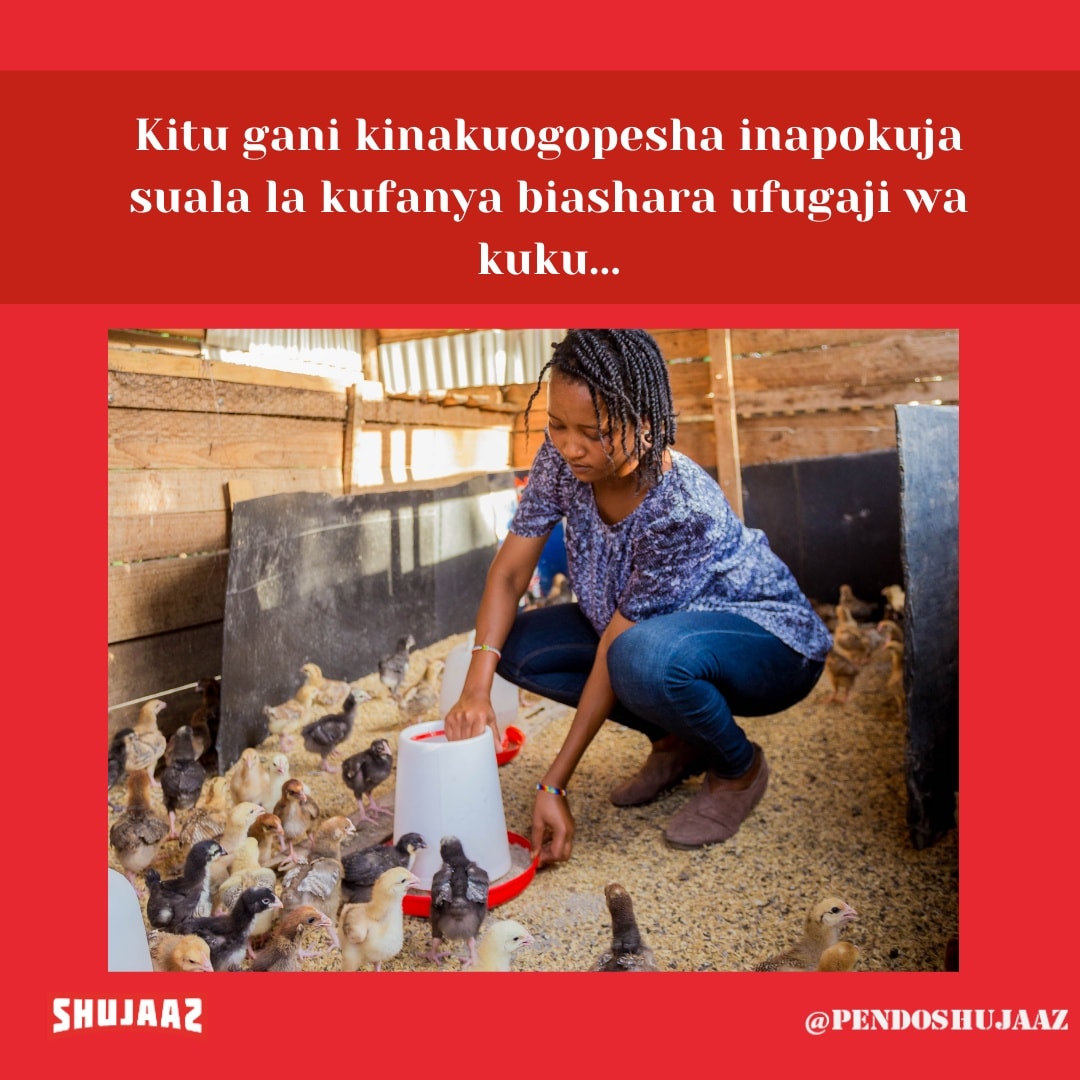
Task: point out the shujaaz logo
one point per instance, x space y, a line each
80 1014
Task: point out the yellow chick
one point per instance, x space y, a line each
146 744
329 694
499 944
249 778
842 956
374 932
422 699
821 930
179 952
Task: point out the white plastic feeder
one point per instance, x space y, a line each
504 694
450 789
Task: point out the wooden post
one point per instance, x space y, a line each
728 464
354 422
369 348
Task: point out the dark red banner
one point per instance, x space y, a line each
537 187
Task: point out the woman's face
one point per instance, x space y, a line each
592 450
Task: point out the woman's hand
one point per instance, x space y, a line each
468 718
552 828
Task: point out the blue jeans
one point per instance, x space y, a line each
684 674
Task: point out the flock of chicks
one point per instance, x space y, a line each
859 637
263 882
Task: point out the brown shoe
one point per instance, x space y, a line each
670 762
715 813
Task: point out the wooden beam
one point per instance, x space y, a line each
354 425
369 354
744 342
728 464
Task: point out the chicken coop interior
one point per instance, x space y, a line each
280 498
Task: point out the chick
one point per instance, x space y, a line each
394 667
179 952
227 935
207 820
249 778
839 957
267 830
628 950
365 771
459 898
499 944
173 900
372 933
286 720
421 701
848 638
205 722
117 757
146 744
862 610
239 820
330 694
895 682
890 630
822 928
840 673
325 735
298 812
560 592
183 777
894 602
362 868
279 769
138 833
317 882
284 951
246 873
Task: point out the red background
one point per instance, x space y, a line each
77 268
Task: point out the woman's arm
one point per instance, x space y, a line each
553 825
507 579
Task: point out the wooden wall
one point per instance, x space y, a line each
188 437
796 393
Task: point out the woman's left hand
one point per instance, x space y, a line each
552 828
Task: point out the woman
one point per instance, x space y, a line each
684 617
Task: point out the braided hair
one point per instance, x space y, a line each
626 373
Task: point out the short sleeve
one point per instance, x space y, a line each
543 500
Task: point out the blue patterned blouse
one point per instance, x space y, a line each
682 549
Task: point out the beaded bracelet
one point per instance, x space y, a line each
551 790
487 648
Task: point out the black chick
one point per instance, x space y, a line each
459 895
394 668
628 949
173 900
365 771
227 935
183 776
324 735
362 868
117 754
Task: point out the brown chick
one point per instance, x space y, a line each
249 778
330 694
421 700
317 882
840 674
298 812
628 950
860 609
145 746
839 957
267 830
207 820
821 929
138 833
890 630
284 951
895 682
849 640
374 932
179 952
